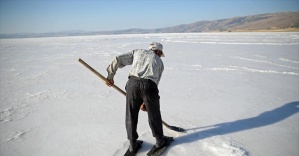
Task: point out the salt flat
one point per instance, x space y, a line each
237 94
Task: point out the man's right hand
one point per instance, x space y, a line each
110 82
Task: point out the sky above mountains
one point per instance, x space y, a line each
40 16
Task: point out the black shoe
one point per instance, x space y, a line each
135 146
161 143
165 141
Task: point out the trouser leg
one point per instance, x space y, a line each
133 103
151 100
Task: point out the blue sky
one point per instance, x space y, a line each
38 16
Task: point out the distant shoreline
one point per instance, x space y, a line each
94 34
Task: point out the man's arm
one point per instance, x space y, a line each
118 62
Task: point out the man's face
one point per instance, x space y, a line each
159 53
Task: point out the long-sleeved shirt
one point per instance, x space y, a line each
145 64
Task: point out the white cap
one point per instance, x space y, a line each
157 46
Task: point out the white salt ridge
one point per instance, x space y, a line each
266 62
287 60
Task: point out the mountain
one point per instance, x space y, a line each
283 21
273 21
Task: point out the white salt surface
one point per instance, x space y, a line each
237 94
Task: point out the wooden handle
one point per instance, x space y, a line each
100 75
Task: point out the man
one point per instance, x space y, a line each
142 91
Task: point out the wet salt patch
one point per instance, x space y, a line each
5 115
17 112
48 94
16 135
219 146
38 96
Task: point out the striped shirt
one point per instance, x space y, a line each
146 64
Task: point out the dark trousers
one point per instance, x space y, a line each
142 91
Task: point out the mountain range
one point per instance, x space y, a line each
282 21
272 21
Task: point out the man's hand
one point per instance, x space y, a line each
143 108
110 82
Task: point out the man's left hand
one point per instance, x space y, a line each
143 107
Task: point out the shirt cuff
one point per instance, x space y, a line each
110 76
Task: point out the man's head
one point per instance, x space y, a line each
157 48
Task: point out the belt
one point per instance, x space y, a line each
136 78
141 79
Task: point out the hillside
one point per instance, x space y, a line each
272 21
284 21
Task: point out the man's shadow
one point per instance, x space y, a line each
264 119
